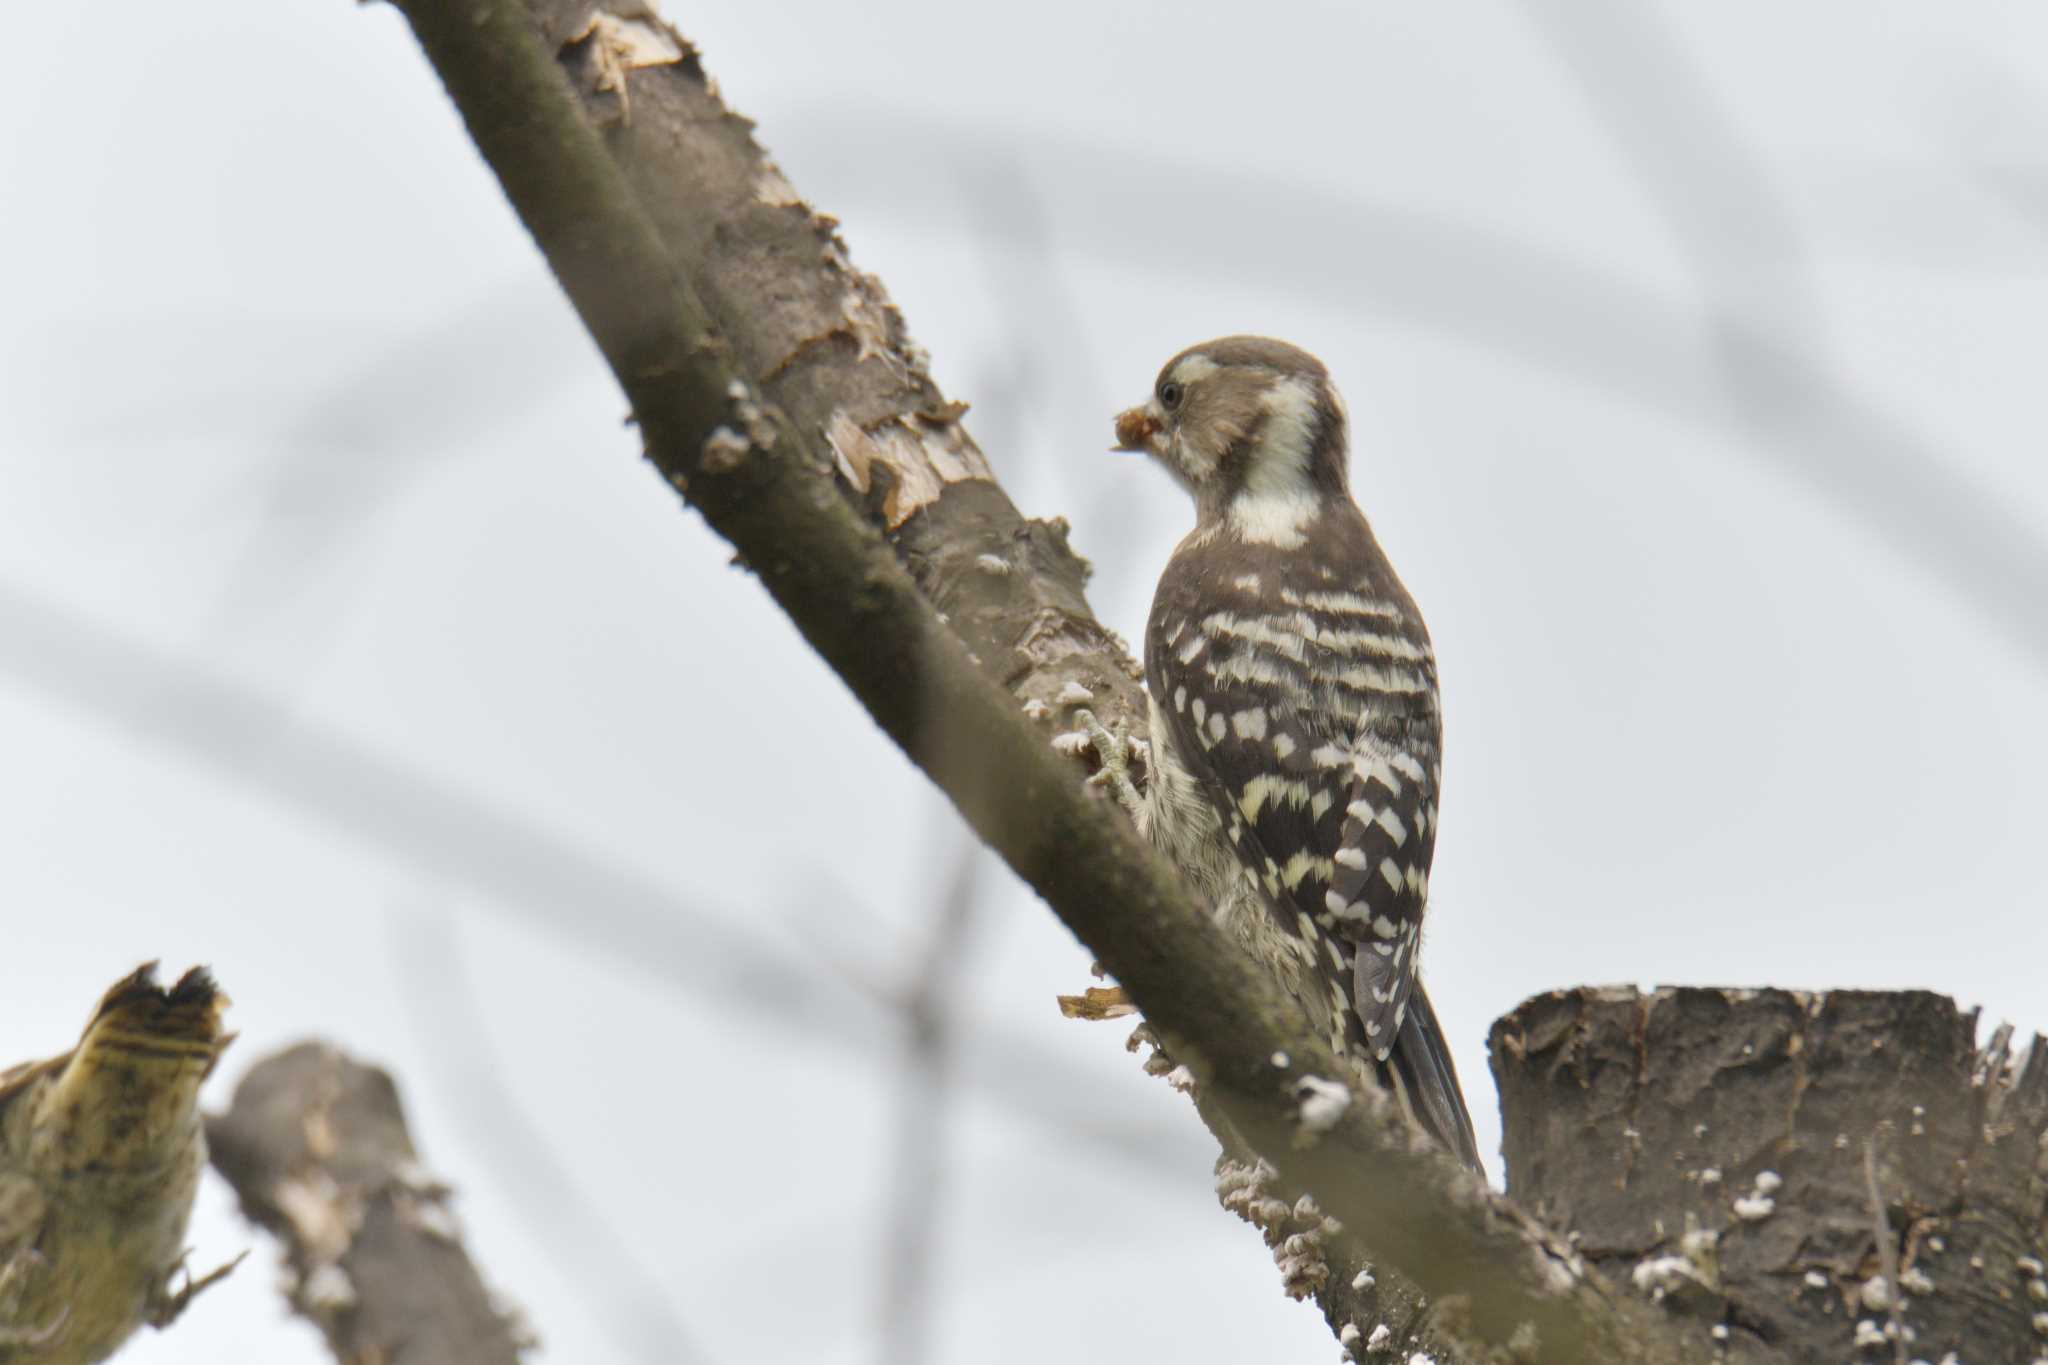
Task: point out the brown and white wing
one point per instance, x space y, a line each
1379 885
1315 734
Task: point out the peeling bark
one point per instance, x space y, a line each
1718 1150
828 350
317 1150
725 305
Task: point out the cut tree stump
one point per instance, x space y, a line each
1771 1162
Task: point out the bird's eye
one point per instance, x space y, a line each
1170 394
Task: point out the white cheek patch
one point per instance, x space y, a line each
1281 460
1278 500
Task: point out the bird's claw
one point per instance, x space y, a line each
1113 752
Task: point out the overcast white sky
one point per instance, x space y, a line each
347 645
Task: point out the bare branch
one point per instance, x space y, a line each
317 1150
775 386
1565 314
515 866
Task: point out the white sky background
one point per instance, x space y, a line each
346 643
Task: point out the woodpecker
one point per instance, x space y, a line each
1296 726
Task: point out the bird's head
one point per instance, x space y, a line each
1253 428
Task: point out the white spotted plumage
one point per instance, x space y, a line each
1295 771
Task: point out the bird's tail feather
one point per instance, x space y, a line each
1422 1067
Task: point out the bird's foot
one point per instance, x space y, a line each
1113 751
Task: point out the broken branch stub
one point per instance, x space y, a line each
1709 1147
317 1150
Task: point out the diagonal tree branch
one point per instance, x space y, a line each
775 387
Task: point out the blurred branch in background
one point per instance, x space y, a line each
1993 123
1717 200
409 409
405 410
513 865
637 1308
918 1174
1736 309
923 990
317 1149
777 388
1565 315
1048 363
351 420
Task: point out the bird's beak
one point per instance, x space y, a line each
1135 428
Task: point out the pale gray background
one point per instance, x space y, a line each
346 644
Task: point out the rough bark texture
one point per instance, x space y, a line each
775 388
1719 1148
824 346
317 1150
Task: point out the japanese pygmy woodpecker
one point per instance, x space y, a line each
1296 729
